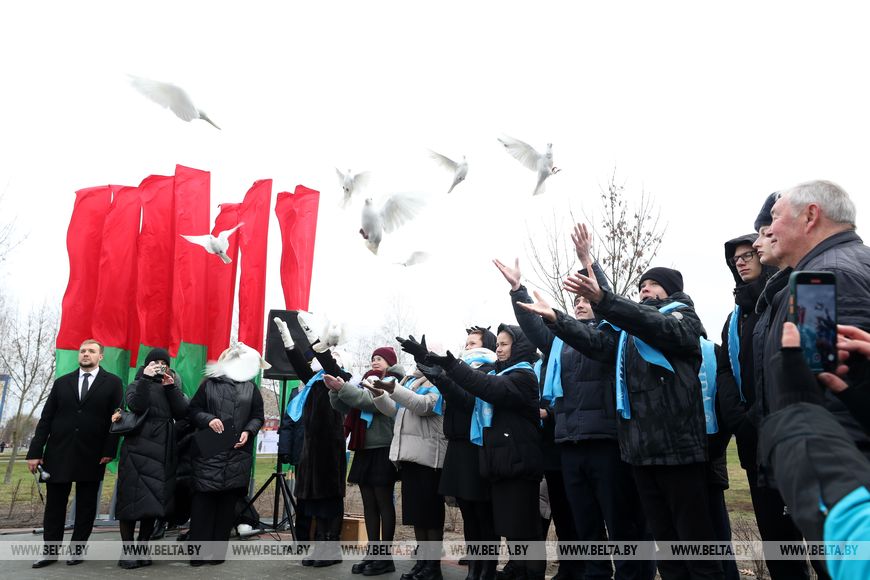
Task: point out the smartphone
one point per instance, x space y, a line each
813 308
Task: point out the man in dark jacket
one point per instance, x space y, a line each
597 484
73 444
813 228
735 383
661 429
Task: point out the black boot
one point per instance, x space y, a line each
431 571
159 530
487 569
328 552
474 569
412 573
378 567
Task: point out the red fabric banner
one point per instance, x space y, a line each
253 238
297 218
155 260
114 318
222 283
189 319
83 241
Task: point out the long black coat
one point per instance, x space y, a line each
149 458
242 405
71 436
667 424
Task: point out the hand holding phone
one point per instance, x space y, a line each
813 308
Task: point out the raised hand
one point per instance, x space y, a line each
387 384
512 275
284 332
586 286
541 307
582 239
418 350
446 361
850 340
333 383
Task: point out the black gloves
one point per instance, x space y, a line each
793 382
416 349
447 362
433 373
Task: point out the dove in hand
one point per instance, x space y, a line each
350 183
541 163
459 170
215 245
171 97
395 211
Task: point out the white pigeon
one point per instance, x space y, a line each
351 183
541 163
239 362
171 97
215 245
395 211
418 257
459 170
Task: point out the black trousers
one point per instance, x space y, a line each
600 489
211 518
722 529
54 518
675 499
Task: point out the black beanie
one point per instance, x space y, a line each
669 279
764 218
157 354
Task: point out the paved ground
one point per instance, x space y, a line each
263 569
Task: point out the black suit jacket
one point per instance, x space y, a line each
72 436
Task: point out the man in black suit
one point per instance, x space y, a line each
73 444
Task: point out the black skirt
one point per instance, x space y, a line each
460 476
372 467
422 506
516 508
327 508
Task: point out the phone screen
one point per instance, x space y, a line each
815 310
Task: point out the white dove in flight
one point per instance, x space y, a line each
171 97
459 170
351 183
395 211
215 245
541 163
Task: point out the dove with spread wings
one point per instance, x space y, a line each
215 245
540 163
459 169
396 209
171 97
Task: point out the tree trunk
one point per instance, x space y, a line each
12 456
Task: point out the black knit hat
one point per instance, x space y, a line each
764 218
669 279
157 354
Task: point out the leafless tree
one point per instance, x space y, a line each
9 238
398 320
28 357
627 235
552 256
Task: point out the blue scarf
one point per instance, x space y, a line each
707 376
553 376
481 417
297 403
734 349
439 404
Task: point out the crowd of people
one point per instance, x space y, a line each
623 408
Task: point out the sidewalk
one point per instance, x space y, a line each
260 569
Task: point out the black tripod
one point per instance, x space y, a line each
282 489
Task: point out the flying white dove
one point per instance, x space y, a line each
395 211
541 163
459 170
215 245
418 257
350 183
171 97
239 362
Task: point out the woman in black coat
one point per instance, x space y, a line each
227 397
510 455
146 472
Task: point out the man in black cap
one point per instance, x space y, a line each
661 423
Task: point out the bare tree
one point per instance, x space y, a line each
398 320
552 257
627 235
28 357
9 239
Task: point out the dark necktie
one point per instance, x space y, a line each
85 378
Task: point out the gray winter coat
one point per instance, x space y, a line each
418 434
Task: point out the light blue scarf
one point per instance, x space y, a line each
297 403
553 376
734 349
439 404
481 417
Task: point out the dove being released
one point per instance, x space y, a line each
541 163
171 97
459 170
351 183
395 211
239 362
215 245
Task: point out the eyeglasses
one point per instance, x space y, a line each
746 257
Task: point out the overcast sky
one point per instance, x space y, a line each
708 108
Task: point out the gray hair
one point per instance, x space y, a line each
830 197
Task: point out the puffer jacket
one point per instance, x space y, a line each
230 401
149 458
667 425
847 256
418 432
511 445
